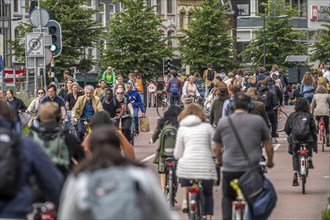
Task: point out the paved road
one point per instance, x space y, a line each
292 204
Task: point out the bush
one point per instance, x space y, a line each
326 213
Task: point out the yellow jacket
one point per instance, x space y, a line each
80 105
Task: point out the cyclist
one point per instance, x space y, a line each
135 99
85 107
253 131
189 90
194 154
307 87
173 87
320 108
67 88
17 106
301 119
71 101
34 106
122 104
100 92
169 120
217 106
109 76
109 104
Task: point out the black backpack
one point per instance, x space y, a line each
266 97
10 163
300 126
210 75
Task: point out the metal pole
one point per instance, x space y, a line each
264 27
3 57
44 74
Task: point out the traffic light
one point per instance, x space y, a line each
54 29
168 64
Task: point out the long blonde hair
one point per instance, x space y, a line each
192 109
308 80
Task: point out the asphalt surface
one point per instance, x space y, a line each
291 203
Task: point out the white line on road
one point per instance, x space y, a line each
147 158
276 146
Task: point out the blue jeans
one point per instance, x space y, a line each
69 114
18 127
136 119
81 129
208 89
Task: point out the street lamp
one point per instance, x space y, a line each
264 29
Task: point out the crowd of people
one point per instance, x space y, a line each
82 136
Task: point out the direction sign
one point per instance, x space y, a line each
34 45
39 17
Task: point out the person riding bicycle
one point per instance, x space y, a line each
34 106
135 99
168 121
194 154
253 130
173 87
190 91
109 103
123 107
109 76
217 106
320 108
301 128
85 108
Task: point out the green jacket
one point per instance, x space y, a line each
109 78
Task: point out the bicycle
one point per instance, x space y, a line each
196 200
132 128
281 119
239 205
322 134
86 129
163 105
171 184
303 165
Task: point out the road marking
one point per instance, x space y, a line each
147 158
276 146
326 177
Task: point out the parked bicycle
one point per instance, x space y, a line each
171 185
303 165
239 205
196 200
322 133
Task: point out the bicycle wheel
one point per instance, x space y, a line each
171 190
282 117
162 107
323 143
303 183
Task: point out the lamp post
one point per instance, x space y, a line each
264 30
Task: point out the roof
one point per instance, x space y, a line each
296 58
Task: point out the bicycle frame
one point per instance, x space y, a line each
303 154
171 183
196 202
239 206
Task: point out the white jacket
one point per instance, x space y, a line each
193 149
190 89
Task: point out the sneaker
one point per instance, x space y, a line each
275 141
310 163
184 206
295 179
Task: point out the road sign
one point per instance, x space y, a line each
48 56
39 17
34 45
40 62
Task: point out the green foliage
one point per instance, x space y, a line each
326 213
135 40
79 31
281 38
321 49
208 37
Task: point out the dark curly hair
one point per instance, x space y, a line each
302 105
171 116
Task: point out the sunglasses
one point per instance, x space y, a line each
129 87
40 93
119 93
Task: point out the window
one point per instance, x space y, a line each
15 5
16 33
111 10
149 2
88 2
243 7
300 5
102 15
159 6
261 8
182 20
90 52
170 40
102 45
169 6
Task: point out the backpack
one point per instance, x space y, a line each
175 84
10 163
200 84
210 75
167 140
300 126
117 193
266 98
55 146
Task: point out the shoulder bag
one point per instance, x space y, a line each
251 182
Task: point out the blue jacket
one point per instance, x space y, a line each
36 162
135 99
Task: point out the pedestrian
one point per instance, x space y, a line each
31 160
301 120
208 77
194 154
252 130
217 106
134 192
17 106
168 122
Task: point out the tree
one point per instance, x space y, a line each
79 31
208 37
135 40
321 49
281 39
